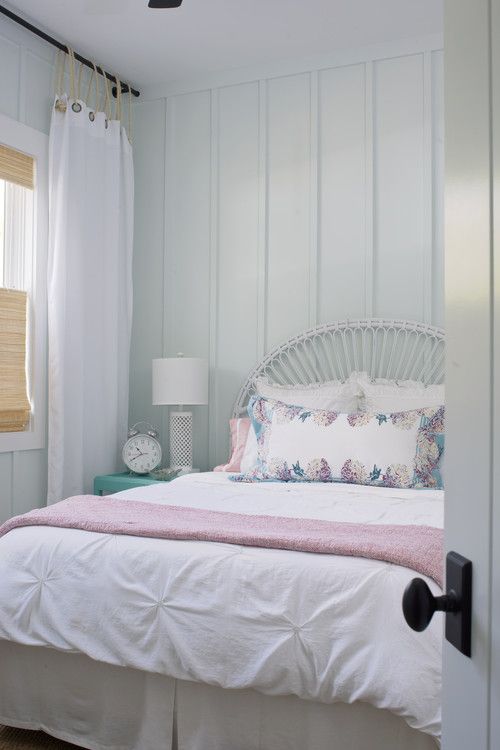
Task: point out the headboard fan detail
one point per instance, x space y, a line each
384 348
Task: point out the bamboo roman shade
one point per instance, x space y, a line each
14 405
16 167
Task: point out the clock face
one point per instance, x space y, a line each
141 454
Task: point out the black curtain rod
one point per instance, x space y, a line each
63 47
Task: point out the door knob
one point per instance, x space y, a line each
419 604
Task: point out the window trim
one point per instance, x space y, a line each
23 138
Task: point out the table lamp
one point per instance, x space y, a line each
182 381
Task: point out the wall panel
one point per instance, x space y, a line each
288 206
38 93
6 510
237 248
10 65
314 196
398 188
342 203
187 239
147 274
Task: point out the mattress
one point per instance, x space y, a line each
321 627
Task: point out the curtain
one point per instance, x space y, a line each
91 189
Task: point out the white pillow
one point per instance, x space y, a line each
389 450
334 394
249 457
388 396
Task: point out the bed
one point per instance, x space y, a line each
129 643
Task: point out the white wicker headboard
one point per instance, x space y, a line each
396 349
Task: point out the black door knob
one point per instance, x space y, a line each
419 604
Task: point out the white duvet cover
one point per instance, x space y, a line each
322 627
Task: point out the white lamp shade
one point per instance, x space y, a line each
180 380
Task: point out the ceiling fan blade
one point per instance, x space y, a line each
164 3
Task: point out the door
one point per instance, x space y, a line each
471 689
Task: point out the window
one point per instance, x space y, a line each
16 245
23 238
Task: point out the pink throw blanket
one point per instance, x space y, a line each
417 547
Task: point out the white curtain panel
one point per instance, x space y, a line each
91 188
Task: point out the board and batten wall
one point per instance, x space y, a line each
26 92
269 206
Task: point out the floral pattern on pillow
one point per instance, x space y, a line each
420 471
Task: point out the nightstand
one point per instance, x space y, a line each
110 483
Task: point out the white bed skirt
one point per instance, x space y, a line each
104 707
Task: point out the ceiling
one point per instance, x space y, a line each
149 47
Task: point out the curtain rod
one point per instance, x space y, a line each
63 47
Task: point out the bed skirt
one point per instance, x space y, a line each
104 707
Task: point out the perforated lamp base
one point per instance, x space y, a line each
181 441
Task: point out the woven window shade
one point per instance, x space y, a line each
15 408
16 167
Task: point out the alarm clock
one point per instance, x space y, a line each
142 451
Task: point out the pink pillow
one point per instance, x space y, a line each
239 433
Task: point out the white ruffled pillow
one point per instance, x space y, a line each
341 396
386 396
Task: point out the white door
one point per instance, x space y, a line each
471 689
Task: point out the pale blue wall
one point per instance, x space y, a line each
266 207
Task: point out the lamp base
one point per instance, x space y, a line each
181 441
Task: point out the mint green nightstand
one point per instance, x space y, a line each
109 483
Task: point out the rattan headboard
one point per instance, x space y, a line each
396 349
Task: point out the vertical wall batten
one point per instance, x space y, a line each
369 197
168 220
427 188
213 278
262 222
437 187
313 198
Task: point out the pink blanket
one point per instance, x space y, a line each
417 547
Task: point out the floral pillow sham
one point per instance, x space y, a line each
401 449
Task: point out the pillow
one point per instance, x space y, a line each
239 429
397 395
243 446
250 454
334 394
400 449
